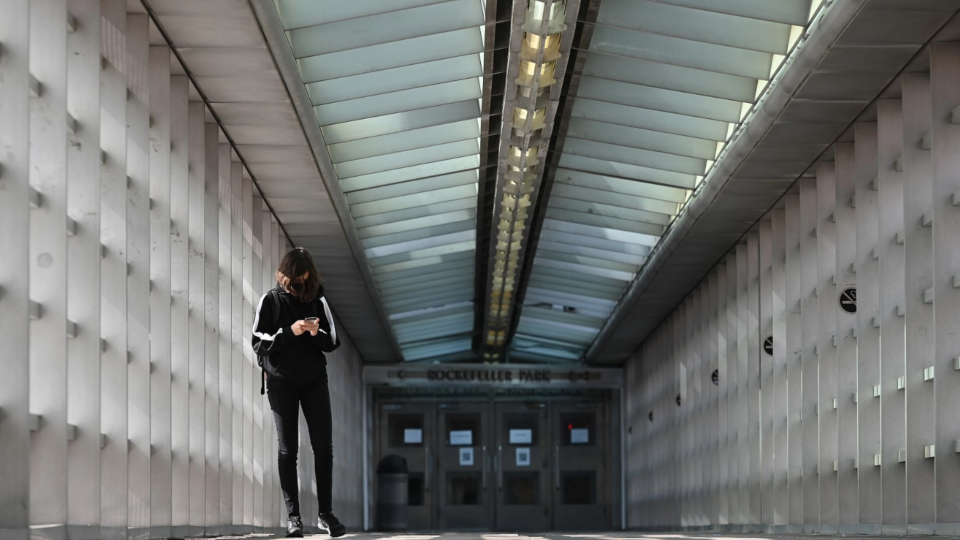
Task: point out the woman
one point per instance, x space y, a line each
292 329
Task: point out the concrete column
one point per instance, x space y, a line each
211 319
945 139
239 338
138 275
161 480
226 330
778 390
793 346
846 332
113 276
808 350
15 273
752 380
764 418
47 134
721 418
83 277
250 374
868 327
743 418
197 331
892 402
826 350
179 306
728 379
919 322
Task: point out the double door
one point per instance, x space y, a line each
506 466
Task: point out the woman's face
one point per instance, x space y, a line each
295 286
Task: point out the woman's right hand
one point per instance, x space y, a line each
299 327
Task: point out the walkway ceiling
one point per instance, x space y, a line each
374 131
875 41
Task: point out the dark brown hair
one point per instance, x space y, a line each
296 263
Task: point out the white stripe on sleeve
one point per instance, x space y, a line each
326 311
256 321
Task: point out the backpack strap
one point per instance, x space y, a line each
276 321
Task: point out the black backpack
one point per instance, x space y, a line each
276 321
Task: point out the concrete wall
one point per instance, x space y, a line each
847 422
135 247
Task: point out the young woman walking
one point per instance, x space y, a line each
292 329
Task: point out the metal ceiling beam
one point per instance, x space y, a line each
582 34
511 244
496 56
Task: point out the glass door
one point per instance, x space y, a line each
463 471
580 437
409 430
522 484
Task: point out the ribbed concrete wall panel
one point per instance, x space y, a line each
136 249
830 330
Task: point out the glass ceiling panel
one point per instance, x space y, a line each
409 236
598 196
392 80
416 213
391 55
699 25
642 139
385 27
396 88
607 210
681 52
397 102
402 174
620 186
433 220
408 158
664 84
659 99
652 119
400 122
408 140
412 187
670 77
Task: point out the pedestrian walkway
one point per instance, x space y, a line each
560 536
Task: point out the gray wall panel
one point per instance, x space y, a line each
846 428
135 254
892 402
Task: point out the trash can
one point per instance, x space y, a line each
392 478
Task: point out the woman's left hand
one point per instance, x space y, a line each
313 327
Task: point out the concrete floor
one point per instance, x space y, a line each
620 535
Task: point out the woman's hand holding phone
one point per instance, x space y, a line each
310 324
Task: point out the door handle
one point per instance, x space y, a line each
500 468
484 458
426 468
556 466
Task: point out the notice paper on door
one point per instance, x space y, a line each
523 457
461 438
521 436
466 456
579 436
412 436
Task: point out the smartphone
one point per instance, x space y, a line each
310 320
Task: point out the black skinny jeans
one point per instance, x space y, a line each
286 404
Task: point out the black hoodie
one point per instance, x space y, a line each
292 361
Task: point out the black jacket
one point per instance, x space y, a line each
292 361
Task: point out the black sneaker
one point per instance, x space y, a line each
294 527
331 525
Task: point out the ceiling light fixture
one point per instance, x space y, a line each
535 67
